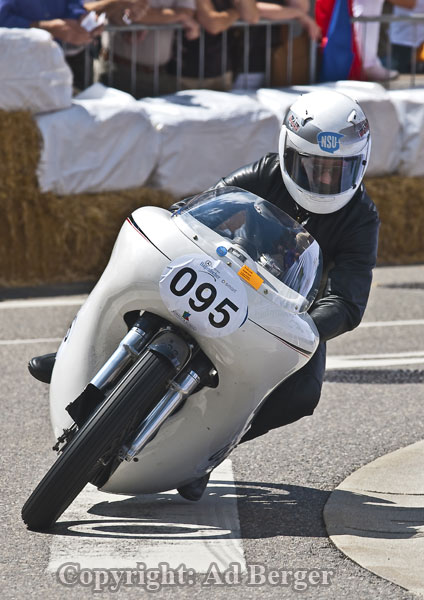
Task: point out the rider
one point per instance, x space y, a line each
316 178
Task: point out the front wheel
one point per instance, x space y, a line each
102 435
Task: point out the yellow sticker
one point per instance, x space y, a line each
251 277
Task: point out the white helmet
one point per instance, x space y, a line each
324 148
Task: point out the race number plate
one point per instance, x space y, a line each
204 294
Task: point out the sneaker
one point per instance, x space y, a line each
41 367
194 491
380 73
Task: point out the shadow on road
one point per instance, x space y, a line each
266 510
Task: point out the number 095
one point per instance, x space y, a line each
203 296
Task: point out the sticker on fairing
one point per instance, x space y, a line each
204 294
251 277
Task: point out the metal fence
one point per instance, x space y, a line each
293 30
113 31
417 68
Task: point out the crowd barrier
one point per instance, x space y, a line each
416 53
279 51
71 169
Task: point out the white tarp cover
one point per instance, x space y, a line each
105 141
377 104
409 105
33 73
206 135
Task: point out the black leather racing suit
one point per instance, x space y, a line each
348 239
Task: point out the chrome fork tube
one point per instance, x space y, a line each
127 352
179 389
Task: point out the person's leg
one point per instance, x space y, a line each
295 398
167 83
401 57
77 63
115 75
367 35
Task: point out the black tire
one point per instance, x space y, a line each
103 433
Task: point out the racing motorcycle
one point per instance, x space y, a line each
198 316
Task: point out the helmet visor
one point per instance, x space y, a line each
324 175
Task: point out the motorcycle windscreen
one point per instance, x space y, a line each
284 252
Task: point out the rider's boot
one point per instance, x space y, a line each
41 367
194 491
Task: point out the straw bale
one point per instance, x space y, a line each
47 238
400 203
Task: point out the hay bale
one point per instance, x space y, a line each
400 202
49 239
19 152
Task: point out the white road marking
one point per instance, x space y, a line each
374 360
29 341
43 302
107 530
400 323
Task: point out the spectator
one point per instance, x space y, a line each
61 18
152 47
368 35
119 10
215 16
339 56
406 37
273 10
291 9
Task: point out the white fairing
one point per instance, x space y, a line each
269 346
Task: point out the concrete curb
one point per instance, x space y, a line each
376 517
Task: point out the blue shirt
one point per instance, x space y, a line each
21 13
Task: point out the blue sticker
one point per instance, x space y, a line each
329 141
221 250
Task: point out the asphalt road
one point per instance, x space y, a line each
282 480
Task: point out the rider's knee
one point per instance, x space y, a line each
307 395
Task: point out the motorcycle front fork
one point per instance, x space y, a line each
192 369
130 348
179 389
